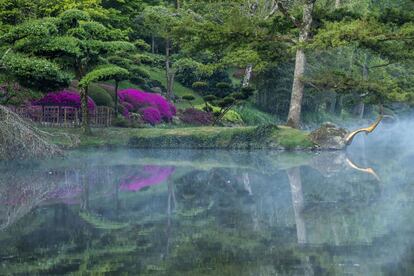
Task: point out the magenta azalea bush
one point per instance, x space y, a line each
195 116
153 107
63 98
151 115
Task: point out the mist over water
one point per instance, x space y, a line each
189 212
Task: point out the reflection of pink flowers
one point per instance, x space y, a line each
151 175
66 194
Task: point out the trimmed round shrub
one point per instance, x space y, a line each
193 116
100 96
64 98
151 115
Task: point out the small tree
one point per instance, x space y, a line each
29 51
227 102
96 44
103 73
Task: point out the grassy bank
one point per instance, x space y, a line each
262 137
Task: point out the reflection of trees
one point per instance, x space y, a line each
295 182
214 221
30 188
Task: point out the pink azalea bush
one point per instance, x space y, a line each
151 115
145 103
64 98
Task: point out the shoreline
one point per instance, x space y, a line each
271 137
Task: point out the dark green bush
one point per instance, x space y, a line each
120 122
100 96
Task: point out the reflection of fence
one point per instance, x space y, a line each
101 116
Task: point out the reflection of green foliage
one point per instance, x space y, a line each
100 222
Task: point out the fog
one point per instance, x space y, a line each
354 205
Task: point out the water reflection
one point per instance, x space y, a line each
209 212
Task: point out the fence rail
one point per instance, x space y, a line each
54 116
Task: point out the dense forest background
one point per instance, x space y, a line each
295 61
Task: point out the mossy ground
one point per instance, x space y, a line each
261 137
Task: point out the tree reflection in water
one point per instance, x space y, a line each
235 213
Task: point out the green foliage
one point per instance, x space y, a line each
188 98
142 45
209 98
209 40
35 72
252 116
226 102
100 96
106 72
199 85
120 122
230 117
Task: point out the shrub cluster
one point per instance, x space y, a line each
154 108
64 98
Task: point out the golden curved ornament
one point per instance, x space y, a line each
350 137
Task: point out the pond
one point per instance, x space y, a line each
181 212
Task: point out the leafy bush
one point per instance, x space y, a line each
193 116
64 98
120 122
100 96
133 100
231 117
253 116
187 71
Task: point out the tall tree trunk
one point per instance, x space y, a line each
300 65
116 98
85 111
247 75
169 72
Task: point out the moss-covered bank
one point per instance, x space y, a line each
261 137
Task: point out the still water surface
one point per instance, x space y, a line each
150 212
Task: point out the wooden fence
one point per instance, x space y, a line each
55 116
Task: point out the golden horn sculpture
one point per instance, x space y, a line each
367 130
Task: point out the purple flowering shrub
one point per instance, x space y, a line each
193 116
153 107
64 98
151 115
